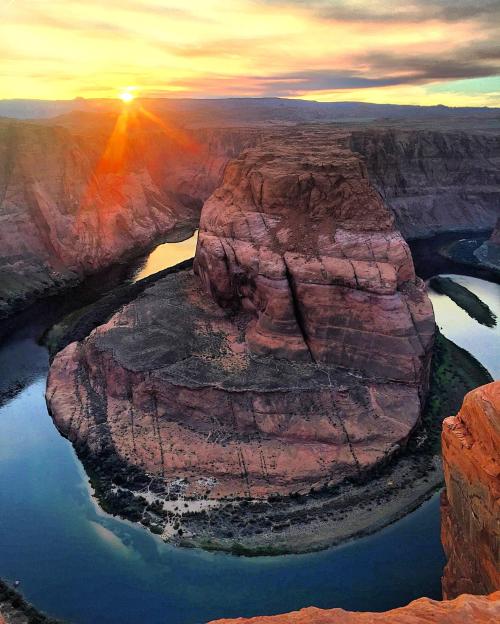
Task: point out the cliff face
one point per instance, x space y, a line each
79 193
307 363
434 181
470 511
297 237
463 610
489 252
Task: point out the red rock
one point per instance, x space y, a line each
80 192
470 511
463 610
312 369
297 236
434 180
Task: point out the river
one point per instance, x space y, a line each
79 564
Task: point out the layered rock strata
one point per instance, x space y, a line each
297 356
434 181
80 192
470 512
463 610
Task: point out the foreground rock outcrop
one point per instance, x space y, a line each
80 192
463 610
434 181
306 363
470 511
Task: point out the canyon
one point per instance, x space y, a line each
100 183
205 395
82 191
291 365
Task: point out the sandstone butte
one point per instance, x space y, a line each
470 512
463 610
296 356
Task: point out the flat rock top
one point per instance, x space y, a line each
175 331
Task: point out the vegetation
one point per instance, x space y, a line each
454 373
118 484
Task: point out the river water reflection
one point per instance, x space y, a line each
77 563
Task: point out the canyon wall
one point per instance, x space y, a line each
434 181
80 192
463 610
470 511
299 356
489 252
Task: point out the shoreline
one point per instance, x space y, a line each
303 522
14 609
112 275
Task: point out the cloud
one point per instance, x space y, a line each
386 70
388 11
468 62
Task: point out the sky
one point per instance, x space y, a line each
417 52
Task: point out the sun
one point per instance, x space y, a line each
126 96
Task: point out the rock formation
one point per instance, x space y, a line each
300 357
434 181
83 190
489 252
80 192
303 243
470 512
463 610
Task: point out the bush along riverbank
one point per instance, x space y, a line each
305 521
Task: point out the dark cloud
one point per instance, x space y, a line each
319 80
388 70
468 62
418 11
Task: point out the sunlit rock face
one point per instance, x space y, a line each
296 357
463 610
434 181
470 511
80 192
297 237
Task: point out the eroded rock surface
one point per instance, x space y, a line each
80 192
470 512
463 610
305 363
489 252
434 181
298 238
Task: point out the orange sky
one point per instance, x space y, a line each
419 52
